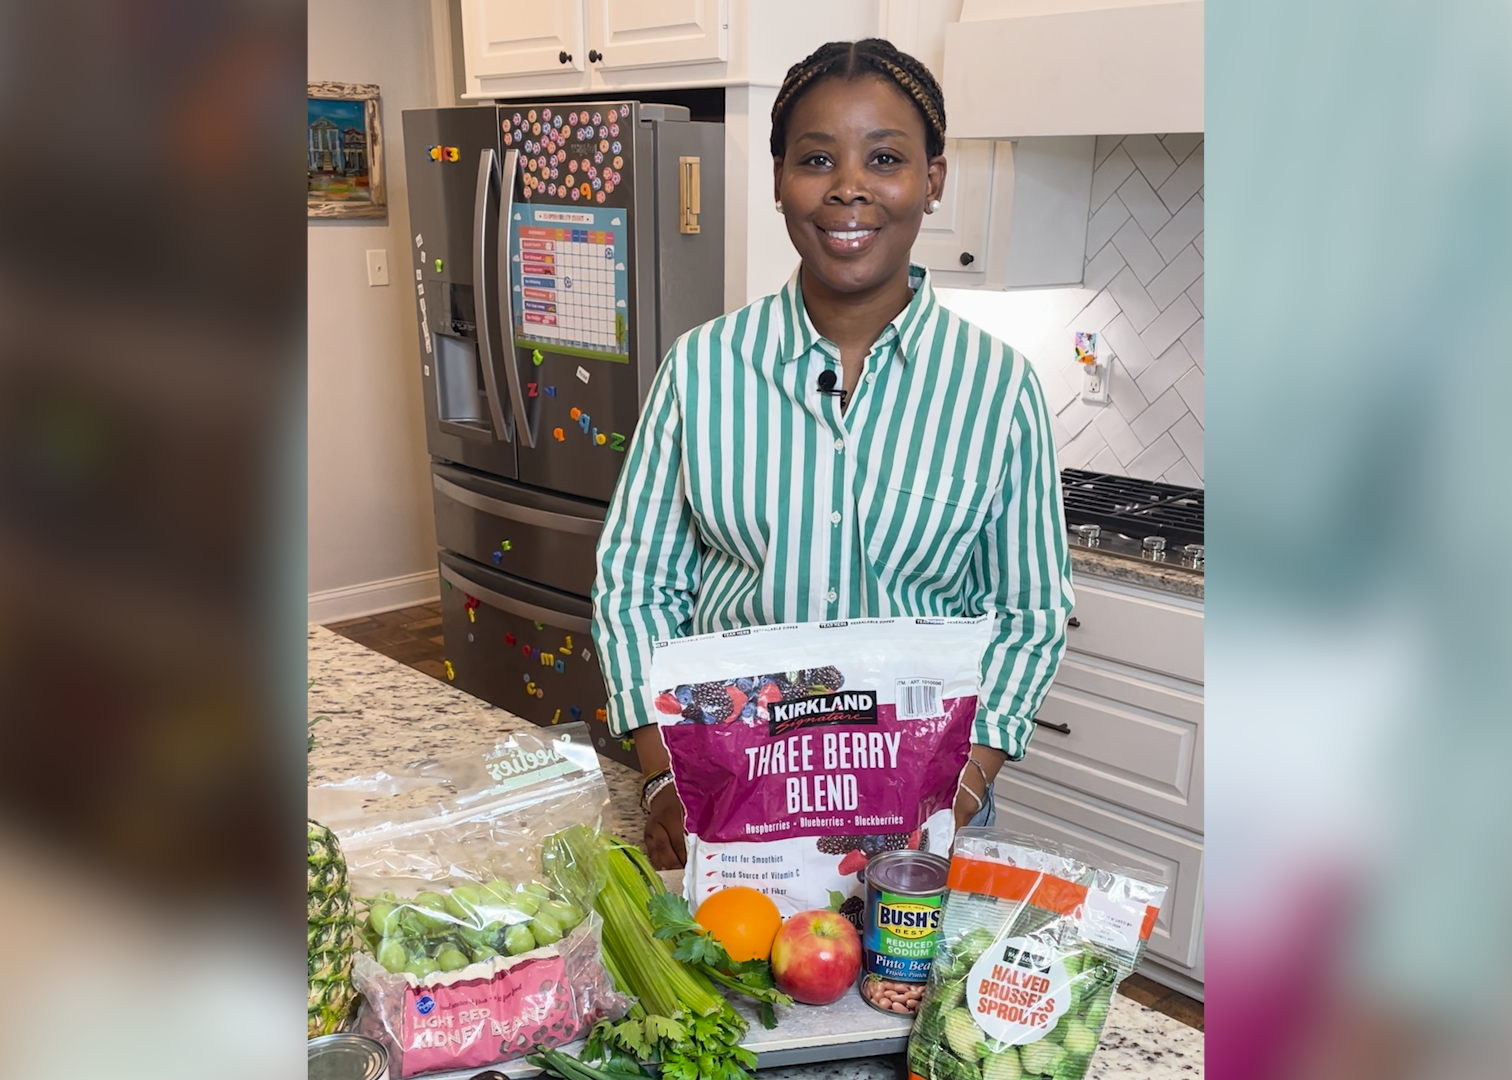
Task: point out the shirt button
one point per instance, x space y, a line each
835 517
832 596
840 446
871 376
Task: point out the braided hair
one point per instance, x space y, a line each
852 60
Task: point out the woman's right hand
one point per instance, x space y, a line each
666 841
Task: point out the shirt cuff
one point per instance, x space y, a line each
1000 731
627 711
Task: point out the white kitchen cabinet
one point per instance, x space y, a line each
507 38
1116 767
953 240
652 33
514 49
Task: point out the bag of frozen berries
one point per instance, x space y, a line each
800 751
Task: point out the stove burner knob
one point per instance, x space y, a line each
1088 534
1154 548
1193 553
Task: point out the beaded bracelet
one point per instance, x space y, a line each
653 787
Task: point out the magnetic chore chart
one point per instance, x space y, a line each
570 289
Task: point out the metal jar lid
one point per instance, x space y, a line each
1088 534
345 1056
1154 547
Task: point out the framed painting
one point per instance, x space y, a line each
346 152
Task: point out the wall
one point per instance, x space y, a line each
1143 293
371 536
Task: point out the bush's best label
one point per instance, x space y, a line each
901 935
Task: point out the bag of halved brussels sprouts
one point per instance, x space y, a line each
1033 942
477 941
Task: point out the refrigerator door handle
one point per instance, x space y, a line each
533 612
523 428
482 205
529 515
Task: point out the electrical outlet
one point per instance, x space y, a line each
1095 384
377 267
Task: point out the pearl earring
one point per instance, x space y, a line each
778 205
934 204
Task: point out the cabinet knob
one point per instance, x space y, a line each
967 258
1064 729
1073 622
564 57
594 56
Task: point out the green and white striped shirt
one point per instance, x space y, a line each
749 498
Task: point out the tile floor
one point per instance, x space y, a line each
412 636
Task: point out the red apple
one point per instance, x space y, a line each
816 957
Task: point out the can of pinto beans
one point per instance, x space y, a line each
901 927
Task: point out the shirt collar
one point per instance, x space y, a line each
799 335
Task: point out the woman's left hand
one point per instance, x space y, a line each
981 768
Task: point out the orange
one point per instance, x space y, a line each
743 920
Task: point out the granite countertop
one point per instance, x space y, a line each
383 713
1136 572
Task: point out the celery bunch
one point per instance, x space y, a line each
679 1018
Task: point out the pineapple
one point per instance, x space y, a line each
332 929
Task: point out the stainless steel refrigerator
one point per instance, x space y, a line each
558 250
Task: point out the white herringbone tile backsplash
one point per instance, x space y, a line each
1142 294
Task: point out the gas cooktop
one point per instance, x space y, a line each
1139 519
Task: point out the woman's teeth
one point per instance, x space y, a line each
853 235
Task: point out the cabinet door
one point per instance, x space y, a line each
1027 804
1148 633
505 37
1129 741
954 238
649 33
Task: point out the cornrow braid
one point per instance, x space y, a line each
852 60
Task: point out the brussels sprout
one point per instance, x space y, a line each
518 939
963 1035
1041 1057
1003 1065
1079 1040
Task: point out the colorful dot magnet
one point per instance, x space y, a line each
451 672
527 650
505 545
577 713
526 677
540 693
559 434
600 439
601 715
438 266
540 626
498 557
535 357
509 639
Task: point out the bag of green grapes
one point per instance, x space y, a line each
1034 940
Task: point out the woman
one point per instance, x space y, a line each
844 448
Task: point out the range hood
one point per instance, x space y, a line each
1023 68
